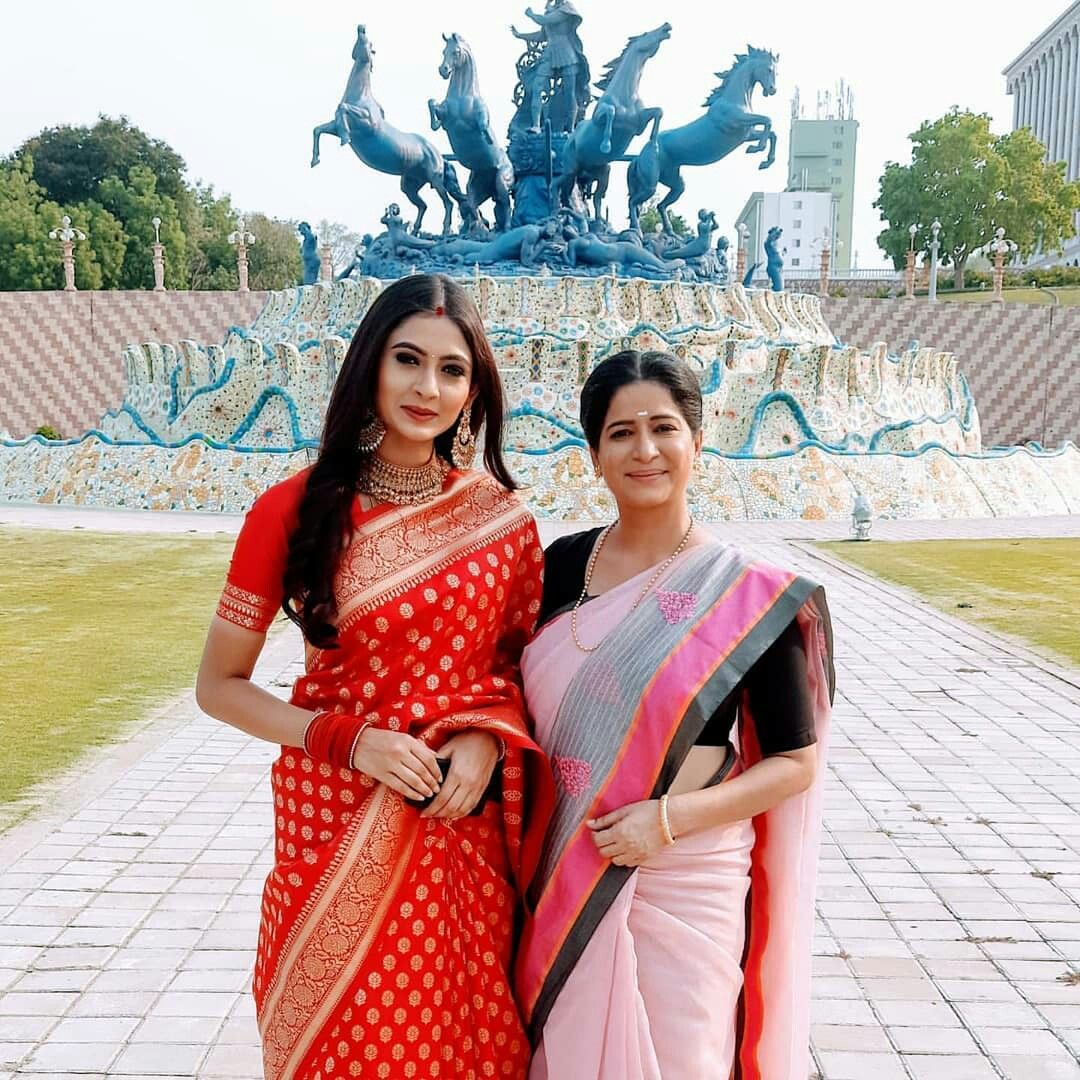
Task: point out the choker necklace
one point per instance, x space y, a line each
402 485
641 595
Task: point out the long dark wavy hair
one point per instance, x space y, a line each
325 518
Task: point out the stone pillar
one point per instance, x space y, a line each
1065 101
823 283
67 234
909 276
326 263
740 261
158 252
240 237
1000 247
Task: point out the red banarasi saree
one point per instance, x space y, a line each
385 937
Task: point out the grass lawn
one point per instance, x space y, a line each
1029 589
99 629
1067 296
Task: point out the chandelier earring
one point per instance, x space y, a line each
371 434
464 449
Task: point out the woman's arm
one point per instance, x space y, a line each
224 689
760 788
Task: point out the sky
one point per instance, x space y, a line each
237 86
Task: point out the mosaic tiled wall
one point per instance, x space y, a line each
1022 361
60 358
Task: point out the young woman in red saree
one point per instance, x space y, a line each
669 922
386 927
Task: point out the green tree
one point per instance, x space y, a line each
974 182
212 260
99 259
274 259
136 203
30 259
70 162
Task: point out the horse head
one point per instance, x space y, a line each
646 44
764 69
455 51
362 50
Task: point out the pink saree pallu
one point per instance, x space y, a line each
695 965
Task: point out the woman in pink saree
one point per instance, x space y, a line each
682 691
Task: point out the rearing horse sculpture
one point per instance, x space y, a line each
617 117
465 117
361 122
727 123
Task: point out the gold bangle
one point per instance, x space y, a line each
665 823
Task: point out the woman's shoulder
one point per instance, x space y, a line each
573 545
283 498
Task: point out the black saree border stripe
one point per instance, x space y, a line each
771 623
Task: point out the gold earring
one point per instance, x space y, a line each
371 435
464 449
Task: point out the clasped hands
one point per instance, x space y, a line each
410 767
630 835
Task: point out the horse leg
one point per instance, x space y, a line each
771 136
448 205
502 202
410 186
435 113
330 128
675 190
606 115
650 115
600 191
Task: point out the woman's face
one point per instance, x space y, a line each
425 375
646 450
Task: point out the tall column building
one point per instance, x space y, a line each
1044 81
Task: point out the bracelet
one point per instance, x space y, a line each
307 728
665 823
356 742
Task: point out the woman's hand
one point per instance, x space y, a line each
630 835
401 762
473 756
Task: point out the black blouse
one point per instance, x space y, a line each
776 686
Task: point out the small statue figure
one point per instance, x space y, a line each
528 244
309 253
774 262
699 246
590 250
554 71
721 269
401 240
357 264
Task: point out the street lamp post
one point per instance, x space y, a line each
67 234
159 256
241 238
909 270
740 256
935 245
1000 247
826 251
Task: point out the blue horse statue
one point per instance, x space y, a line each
617 117
728 122
309 253
465 117
361 123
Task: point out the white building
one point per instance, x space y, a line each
1044 81
807 218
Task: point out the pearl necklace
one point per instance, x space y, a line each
641 596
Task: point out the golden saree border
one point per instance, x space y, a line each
246 609
395 552
332 940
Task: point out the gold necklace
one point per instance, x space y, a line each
641 596
403 485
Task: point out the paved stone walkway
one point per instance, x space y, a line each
948 942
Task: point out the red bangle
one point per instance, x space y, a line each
332 737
